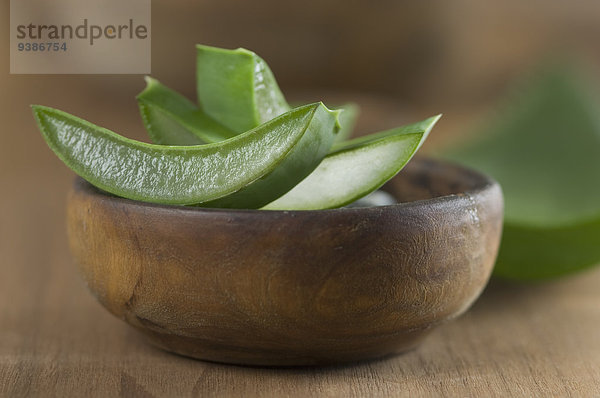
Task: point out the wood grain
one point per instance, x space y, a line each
291 288
57 341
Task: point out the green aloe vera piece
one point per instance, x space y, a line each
248 171
236 88
348 118
545 152
356 168
232 85
172 119
422 127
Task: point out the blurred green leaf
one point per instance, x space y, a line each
545 152
347 120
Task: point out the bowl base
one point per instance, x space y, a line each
225 354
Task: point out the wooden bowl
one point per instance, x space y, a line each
292 287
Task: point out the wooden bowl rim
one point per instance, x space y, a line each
480 184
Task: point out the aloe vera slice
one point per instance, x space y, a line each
545 152
236 88
172 119
424 127
253 168
233 85
356 169
348 118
